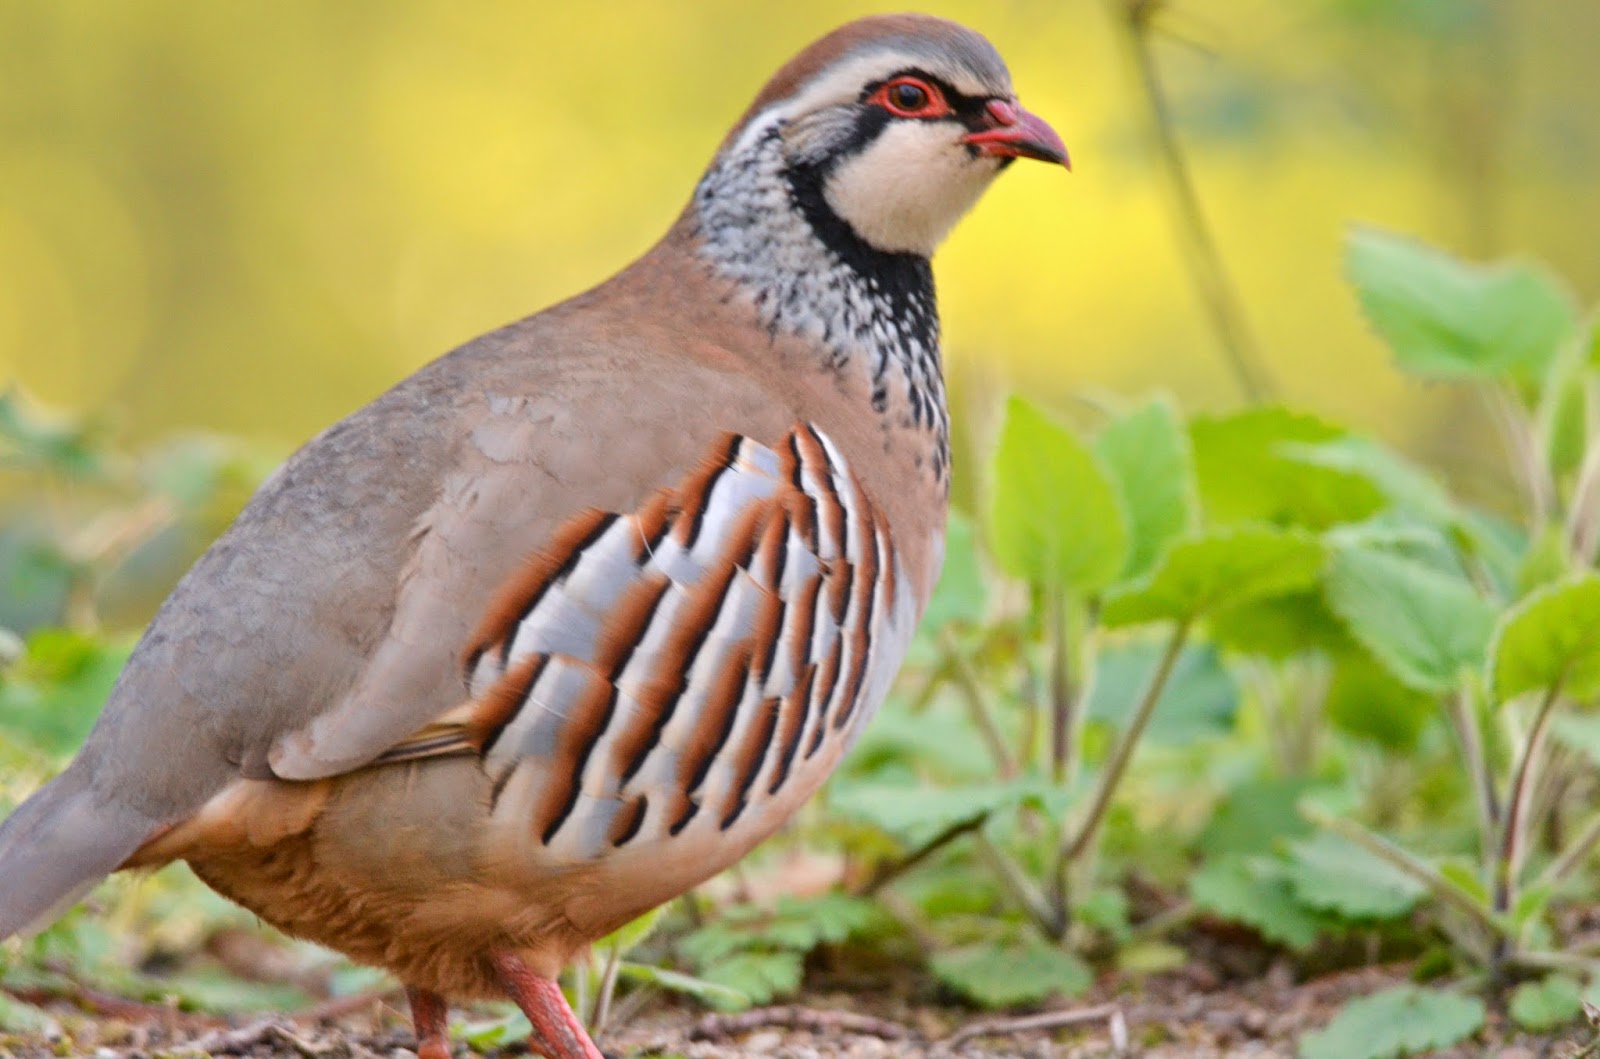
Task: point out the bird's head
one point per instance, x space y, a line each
894 125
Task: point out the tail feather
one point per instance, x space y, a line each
57 845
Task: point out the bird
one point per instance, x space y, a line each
579 613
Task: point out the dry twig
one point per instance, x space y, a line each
811 1020
1049 1020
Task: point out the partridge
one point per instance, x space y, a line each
572 618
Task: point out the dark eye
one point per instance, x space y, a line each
908 96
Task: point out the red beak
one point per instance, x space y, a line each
1015 133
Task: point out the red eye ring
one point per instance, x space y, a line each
910 97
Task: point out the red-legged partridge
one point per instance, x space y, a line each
576 615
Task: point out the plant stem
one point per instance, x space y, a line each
890 872
1514 826
1063 749
1522 450
1016 884
1464 720
1206 269
1573 856
1411 865
1122 754
608 989
979 709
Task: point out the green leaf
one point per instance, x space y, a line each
1566 435
51 698
1250 468
1253 891
1406 487
999 976
1054 517
1551 638
1405 1020
1216 569
1581 732
756 977
34 439
961 593
707 992
1147 452
1199 701
1255 816
627 937
1336 875
1548 1004
1448 319
1280 626
916 813
1369 702
1425 626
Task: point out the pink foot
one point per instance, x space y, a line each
556 1030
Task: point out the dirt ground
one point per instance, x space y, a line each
1172 1016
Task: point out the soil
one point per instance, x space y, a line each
1182 1014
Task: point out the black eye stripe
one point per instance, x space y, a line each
966 108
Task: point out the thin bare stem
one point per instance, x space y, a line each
1122 754
1206 269
1573 856
890 872
1464 721
1583 520
1523 453
607 991
1017 885
979 709
1515 825
1062 756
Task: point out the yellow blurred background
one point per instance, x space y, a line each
252 217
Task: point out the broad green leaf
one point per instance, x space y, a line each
961 593
999 976
1054 517
1336 875
1280 626
1199 701
707 992
1147 452
1404 1020
1448 319
1546 560
1405 486
627 937
1252 891
1369 702
1425 626
1217 569
1551 637
18 1017
1250 469
1256 816
757 977
1548 1004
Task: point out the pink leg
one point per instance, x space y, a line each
556 1030
428 1014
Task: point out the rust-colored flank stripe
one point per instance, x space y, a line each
796 710
832 507
628 821
804 504
516 600
584 724
628 621
695 492
862 629
751 755
652 521
718 714
658 695
803 625
502 701
826 679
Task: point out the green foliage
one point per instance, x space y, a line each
1548 1004
1217 569
1426 626
1444 318
51 696
1406 1020
752 955
1200 700
1054 517
1147 452
1257 892
1551 639
1004 976
1334 874
1250 471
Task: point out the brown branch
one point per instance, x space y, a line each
1049 1020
